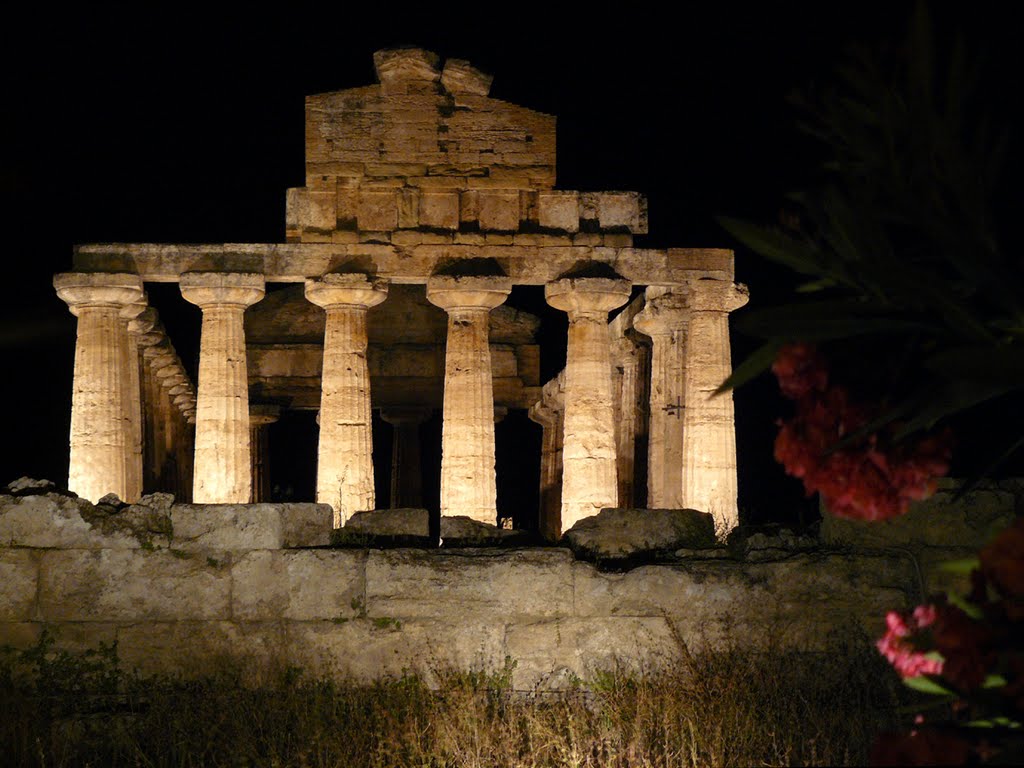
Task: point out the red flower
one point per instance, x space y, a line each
800 369
869 479
898 647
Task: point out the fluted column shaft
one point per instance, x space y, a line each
133 404
709 424
589 471
222 459
550 512
345 466
664 320
626 417
98 426
468 484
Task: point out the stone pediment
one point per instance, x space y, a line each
427 157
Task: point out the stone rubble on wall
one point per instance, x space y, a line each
623 534
226 585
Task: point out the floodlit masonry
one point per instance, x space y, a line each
425 203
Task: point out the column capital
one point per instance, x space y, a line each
98 289
542 413
262 414
228 289
130 311
663 315
587 295
454 292
346 289
717 295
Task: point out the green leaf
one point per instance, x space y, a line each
994 681
775 245
758 362
962 566
926 684
965 605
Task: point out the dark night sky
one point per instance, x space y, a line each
170 127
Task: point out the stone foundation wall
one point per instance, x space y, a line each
184 587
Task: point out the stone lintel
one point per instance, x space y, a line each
296 262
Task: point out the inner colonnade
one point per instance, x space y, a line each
425 203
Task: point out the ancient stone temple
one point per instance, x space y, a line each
425 202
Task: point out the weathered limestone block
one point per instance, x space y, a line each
345 454
621 211
467 436
131 585
476 583
552 654
302 585
797 600
399 521
589 479
368 649
439 209
56 521
226 527
193 649
222 457
378 210
19 576
461 531
498 211
99 430
630 533
559 210
460 77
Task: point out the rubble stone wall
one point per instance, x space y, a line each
182 588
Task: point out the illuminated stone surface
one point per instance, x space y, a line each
467 437
344 476
709 423
222 459
99 429
413 181
589 472
664 320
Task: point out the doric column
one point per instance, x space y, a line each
260 417
709 423
589 472
550 513
467 433
222 464
625 369
98 430
133 402
406 467
344 477
664 320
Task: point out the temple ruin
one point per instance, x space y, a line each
425 202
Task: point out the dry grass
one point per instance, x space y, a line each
712 709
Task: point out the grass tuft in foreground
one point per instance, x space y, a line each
710 709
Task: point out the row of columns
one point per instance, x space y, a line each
690 431
689 333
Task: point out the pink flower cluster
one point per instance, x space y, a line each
870 479
898 647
